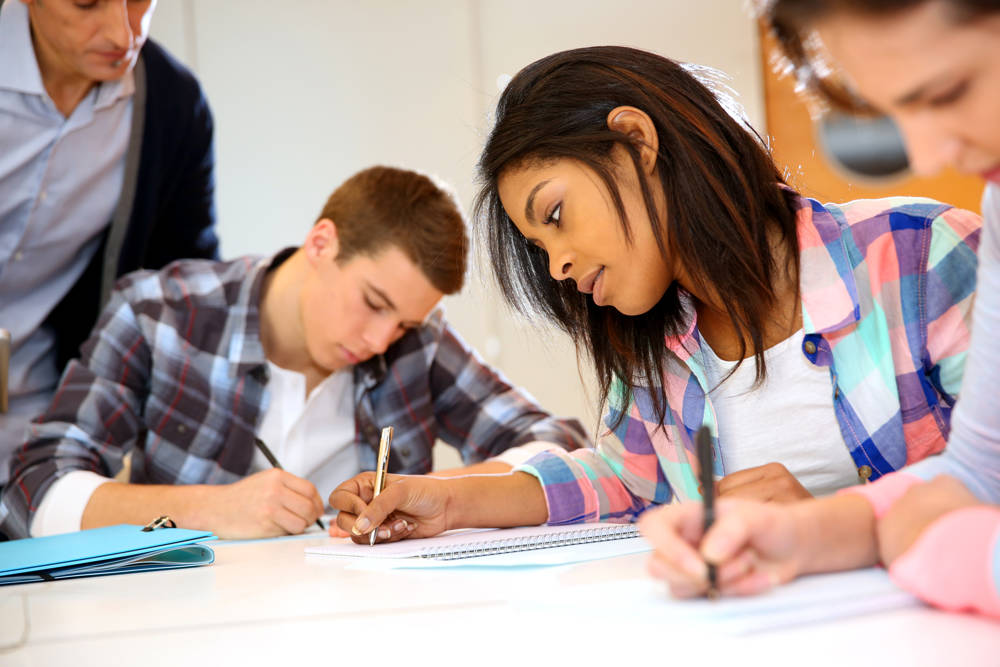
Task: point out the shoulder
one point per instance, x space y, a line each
910 224
186 284
886 213
174 97
165 71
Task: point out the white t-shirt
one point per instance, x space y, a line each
789 419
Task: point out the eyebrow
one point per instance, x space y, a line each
529 205
385 297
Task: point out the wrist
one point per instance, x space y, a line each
834 533
192 506
495 501
804 538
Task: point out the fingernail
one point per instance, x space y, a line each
361 526
399 526
384 533
410 525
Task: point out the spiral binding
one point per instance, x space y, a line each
584 535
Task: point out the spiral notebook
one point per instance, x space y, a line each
504 547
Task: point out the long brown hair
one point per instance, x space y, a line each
724 199
790 22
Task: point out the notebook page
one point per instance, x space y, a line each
812 599
477 543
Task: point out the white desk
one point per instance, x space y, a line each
266 603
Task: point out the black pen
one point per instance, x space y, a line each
703 441
274 463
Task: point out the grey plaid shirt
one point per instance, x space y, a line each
175 373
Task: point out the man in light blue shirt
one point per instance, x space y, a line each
87 177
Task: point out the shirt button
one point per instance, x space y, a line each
836 392
864 473
41 196
809 347
405 452
18 256
181 428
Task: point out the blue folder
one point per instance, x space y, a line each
109 550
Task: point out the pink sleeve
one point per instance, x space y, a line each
955 563
885 492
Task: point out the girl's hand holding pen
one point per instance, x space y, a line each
408 506
753 545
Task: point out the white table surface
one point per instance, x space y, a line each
267 603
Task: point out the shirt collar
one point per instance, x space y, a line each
20 71
246 351
826 281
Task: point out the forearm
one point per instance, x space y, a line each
491 467
115 503
835 533
496 501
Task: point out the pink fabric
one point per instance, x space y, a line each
886 491
951 565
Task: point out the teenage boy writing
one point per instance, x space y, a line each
311 350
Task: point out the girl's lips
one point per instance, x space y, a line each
599 289
587 284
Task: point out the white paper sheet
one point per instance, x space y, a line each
804 601
407 553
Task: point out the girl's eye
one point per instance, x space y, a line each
952 95
553 217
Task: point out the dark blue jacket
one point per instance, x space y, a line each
166 209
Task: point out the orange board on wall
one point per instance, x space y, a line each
796 149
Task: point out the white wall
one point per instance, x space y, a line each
306 92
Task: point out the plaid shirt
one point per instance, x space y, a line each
175 372
887 289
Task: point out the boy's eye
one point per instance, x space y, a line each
553 217
370 304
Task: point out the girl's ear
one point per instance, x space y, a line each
638 126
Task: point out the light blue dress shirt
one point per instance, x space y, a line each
60 180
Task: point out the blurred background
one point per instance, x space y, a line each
307 92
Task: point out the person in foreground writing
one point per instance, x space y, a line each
625 202
310 351
934 67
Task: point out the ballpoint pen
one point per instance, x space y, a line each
703 441
274 462
381 470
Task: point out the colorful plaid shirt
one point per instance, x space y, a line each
175 373
887 288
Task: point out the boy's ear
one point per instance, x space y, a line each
322 242
639 128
